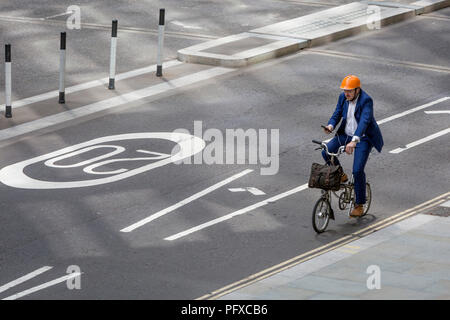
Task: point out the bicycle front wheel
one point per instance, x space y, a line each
368 198
321 215
366 206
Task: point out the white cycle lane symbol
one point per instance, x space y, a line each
14 176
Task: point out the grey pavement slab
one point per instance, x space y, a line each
402 276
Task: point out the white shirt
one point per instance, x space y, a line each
351 125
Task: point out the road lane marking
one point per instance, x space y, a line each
346 55
90 84
421 141
112 102
58 15
185 201
238 212
24 278
43 286
437 112
404 113
252 190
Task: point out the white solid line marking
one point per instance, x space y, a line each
111 102
42 286
402 114
184 202
24 278
437 112
90 84
58 15
239 212
423 140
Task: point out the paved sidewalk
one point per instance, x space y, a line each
407 260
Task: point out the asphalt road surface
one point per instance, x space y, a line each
402 66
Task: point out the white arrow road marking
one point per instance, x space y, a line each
446 204
24 278
43 286
423 140
437 112
239 212
185 201
252 190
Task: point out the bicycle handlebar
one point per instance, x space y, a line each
324 146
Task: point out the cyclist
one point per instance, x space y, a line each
358 131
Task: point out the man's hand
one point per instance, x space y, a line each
350 147
328 129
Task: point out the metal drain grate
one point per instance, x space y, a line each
331 21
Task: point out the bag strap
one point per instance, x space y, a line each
327 178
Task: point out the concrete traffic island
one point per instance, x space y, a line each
307 31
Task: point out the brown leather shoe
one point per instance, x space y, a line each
344 178
357 211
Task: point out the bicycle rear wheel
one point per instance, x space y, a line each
321 215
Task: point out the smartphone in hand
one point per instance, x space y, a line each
326 129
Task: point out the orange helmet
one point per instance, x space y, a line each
350 82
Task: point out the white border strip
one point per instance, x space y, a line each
90 84
111 103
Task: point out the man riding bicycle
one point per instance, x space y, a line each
358 131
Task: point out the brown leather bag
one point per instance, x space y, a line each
325 177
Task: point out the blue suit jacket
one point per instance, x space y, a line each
367 126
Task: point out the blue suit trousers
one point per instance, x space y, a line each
361 152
